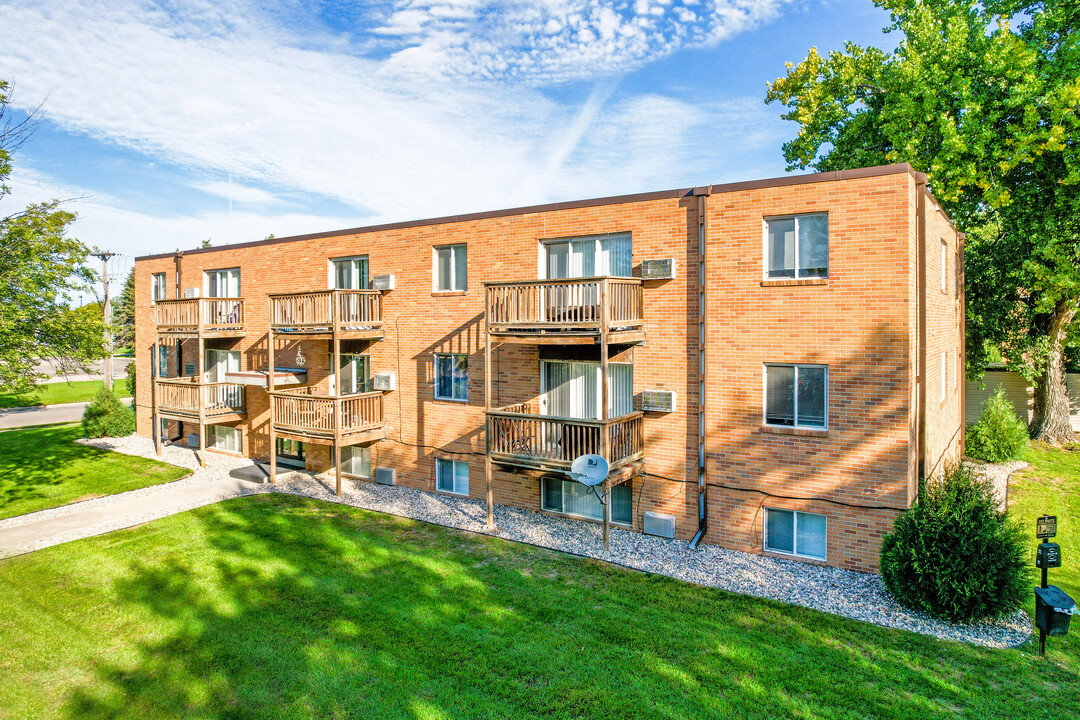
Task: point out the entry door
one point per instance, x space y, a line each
351 274
355 374
223 283
571 389
219 362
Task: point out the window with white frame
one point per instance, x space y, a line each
944 266
796 395
223 437
223 283
944 377
350 273
356 460
451 376
573 498
605 255
795 533
157 286
451 268
163 361
797 246
452 476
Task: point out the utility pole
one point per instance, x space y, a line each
107 310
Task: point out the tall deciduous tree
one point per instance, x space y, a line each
988 108
40 271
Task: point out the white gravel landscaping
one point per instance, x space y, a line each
849 594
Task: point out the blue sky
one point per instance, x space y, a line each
316 116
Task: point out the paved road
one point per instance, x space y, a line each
44 415
96 371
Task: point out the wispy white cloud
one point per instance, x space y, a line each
410 115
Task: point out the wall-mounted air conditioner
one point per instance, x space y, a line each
659 524
382 282
663 269
193 440
386 476
384 381
191 292
658 400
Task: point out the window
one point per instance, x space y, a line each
351 273
223 437
797 247
573 498
572 389
163 361
796 395
944 377
609 255
795 533
290 452
355 374
944 266
356 460
452 476
157 286
223 283
451 268
452 377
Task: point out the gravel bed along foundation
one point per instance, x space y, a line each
849 594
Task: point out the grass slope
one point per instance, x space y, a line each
57 393
282 607
42 467
1051 486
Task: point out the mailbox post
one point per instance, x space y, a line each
1053 608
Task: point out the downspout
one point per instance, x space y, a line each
920 189
701 194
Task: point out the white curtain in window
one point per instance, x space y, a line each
615 256
572 389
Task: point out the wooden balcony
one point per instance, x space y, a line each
578 310
346 314
195 317
541 442
345 420
188 399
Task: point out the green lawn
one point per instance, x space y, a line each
56 393
1051 486
275 606
42 467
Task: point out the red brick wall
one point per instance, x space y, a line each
860 322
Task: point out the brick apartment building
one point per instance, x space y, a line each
770 365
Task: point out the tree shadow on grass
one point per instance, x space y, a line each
284 607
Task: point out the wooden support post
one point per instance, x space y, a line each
155 418
605 439
487 424
270 395
607 513
200 369
337 465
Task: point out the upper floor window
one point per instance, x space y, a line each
797 247
451 377
451 268
351 273
796 395
608 255
223 283
157 286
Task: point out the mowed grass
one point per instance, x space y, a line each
63 392
275 606
1051 486
43 467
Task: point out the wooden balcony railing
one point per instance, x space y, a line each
187 396
571 304
326 311
199 315
517 434
324 416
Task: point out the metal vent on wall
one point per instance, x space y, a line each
658 400
659 524
386 476
663 269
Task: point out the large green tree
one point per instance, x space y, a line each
124 313
987 106
41 269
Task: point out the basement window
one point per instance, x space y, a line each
573 498
795 533
452 476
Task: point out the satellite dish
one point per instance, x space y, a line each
589 470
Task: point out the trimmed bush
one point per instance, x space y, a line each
106 416
954 555
999 435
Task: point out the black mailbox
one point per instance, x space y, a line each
1048 555
1053 609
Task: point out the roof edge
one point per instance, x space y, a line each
569 205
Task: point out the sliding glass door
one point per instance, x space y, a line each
572 389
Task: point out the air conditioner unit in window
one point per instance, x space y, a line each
658 269
658 400
382 282
386 476
189 369
384 381
659 524
191 292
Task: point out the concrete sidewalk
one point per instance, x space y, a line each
43 414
